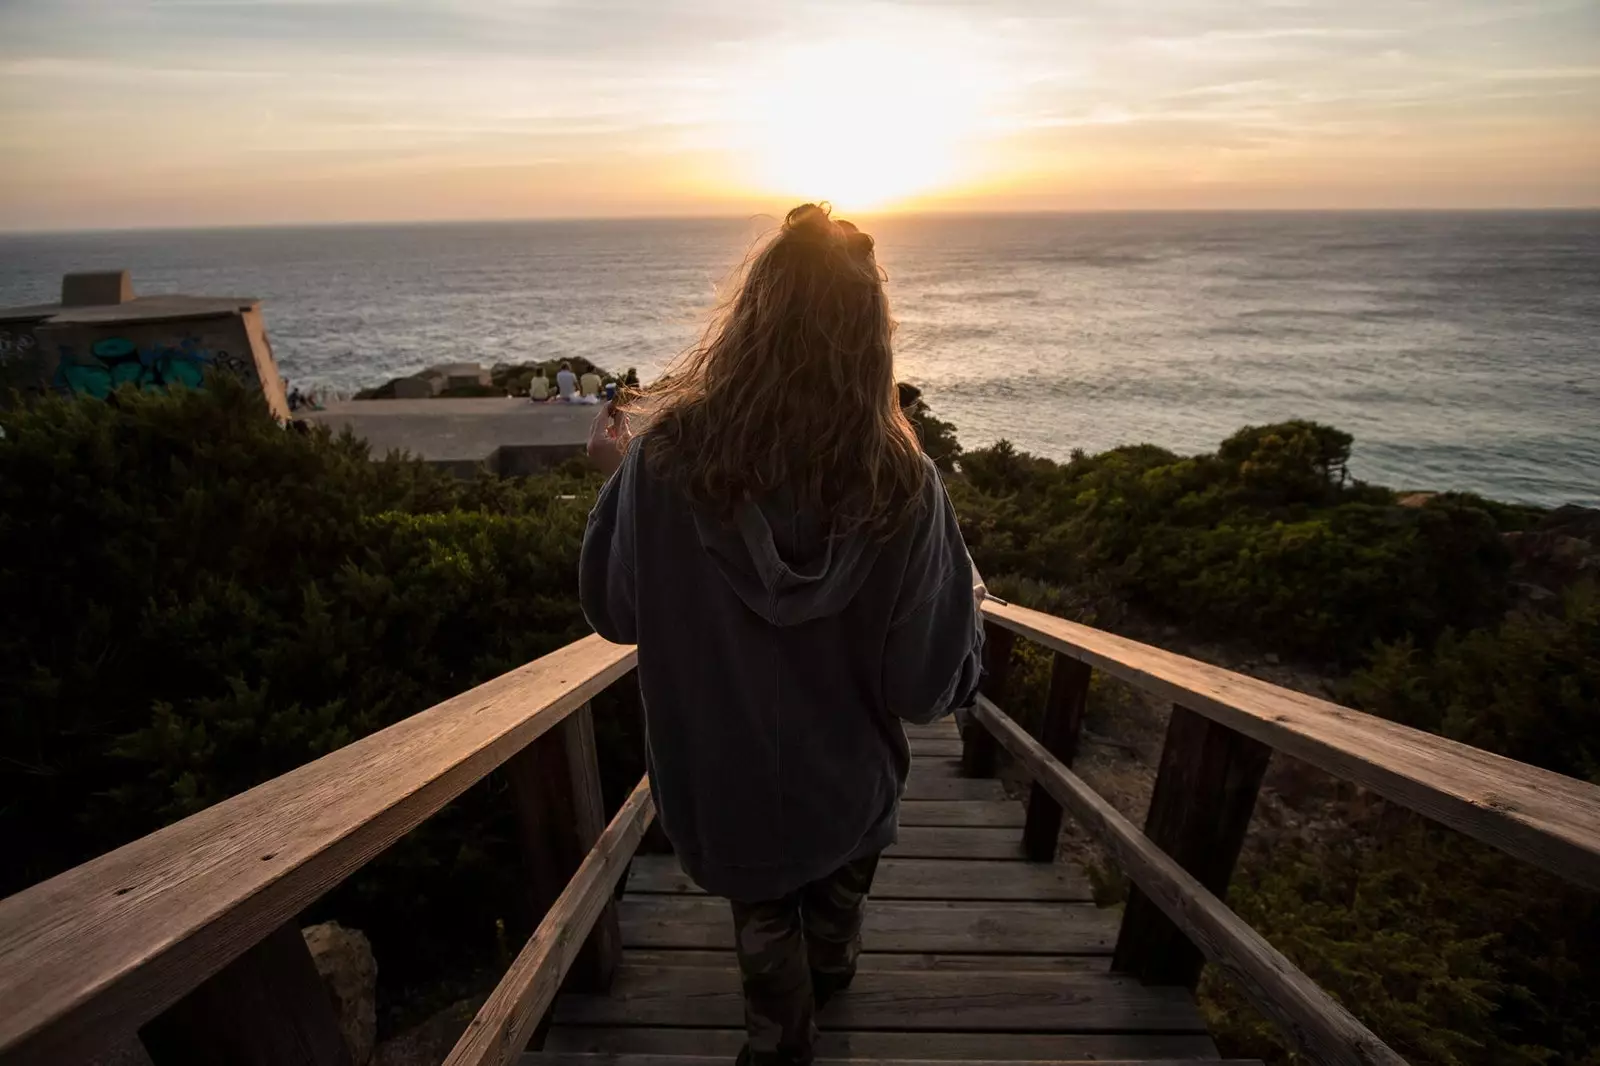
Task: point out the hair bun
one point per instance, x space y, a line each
809 217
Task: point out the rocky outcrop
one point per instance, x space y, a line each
344 959
1562 549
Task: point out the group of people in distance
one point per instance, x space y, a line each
569 387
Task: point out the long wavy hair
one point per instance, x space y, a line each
792 387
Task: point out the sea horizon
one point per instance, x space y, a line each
1456 345
875 215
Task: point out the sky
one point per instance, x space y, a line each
220 112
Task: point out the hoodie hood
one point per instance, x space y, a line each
782 564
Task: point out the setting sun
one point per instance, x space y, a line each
863 122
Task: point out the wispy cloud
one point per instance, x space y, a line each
654 97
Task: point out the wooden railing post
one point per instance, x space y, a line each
268 1007
555 785
1063 722
977 746
1204 794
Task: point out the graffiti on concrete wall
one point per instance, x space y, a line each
116 361
15 343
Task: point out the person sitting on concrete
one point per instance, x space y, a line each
539 387
567 383
590 383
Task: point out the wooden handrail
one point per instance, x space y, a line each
105 947
1545 818
1312 1020
502 1027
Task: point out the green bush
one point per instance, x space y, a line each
1268 539
203 600
1453 953
1528 688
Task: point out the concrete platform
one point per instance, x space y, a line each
508 436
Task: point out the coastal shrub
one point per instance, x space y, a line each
1419 932
1528 688
201 600
1267 539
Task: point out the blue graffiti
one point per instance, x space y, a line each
116 361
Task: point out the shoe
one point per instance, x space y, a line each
826 984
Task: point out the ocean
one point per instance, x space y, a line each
1462 350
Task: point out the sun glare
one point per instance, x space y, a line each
863 123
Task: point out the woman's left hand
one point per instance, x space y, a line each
608 438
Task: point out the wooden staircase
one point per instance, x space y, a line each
187 941
972 953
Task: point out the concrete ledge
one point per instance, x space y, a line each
507 436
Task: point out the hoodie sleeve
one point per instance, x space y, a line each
931 656
606 565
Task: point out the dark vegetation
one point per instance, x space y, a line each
1458 615
199 600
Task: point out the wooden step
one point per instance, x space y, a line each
939 766
947 1047
951 879
599 1058
935 747
894 962
943 729
939 784
1004 814
906 1002
957 842
909 926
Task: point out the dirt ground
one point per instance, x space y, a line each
1120 750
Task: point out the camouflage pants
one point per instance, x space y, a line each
816 927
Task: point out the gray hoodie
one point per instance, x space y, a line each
776 662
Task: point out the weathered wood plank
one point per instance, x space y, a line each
555 789
937 767
599 1058
936 785
956 842
944 879
1199 813
978 748
1004 815
1053 1047
1016 1002
943 729
108 945
1063 722
1311 1019
1545 818
916 926
941 748
267 1007
894 962
503 1026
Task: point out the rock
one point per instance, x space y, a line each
1416 499
344 959
1574 521
1561 550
